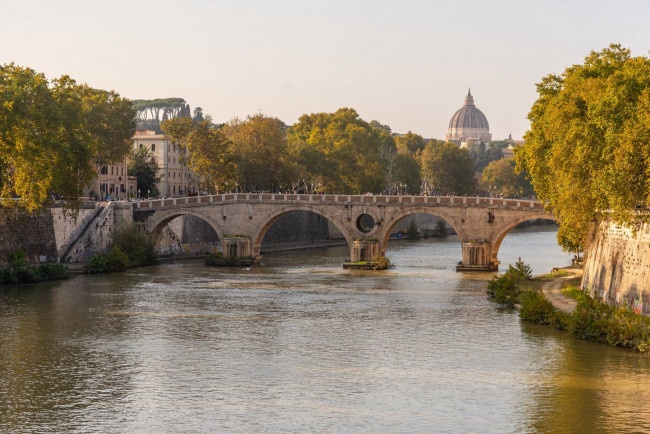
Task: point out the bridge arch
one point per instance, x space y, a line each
498 238
161 218
269 219
443 213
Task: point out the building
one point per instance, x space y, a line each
468 123
113 182
177 179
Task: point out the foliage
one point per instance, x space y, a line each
114 260
412 231
144 166
500 178
380 262
209 153
447 169
411 143
53 132
259 148
598 321
482 154
536 308
130 249
17 258
441 229
406 174
21 272
588 149
338 153
138 247
504 288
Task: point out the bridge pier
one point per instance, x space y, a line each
363 250
237 247
477 256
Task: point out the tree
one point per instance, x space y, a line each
406 174
339 151
259 147
51 133
198 115
144 166
414 143
209 154
500 178
588 148
447 169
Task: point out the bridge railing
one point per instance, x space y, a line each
339 198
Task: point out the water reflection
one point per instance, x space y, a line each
300 344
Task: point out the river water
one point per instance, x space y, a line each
299 344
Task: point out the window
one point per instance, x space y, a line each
112 167
122 170
122 188
153 147
169 147
141 145
174 189
104 170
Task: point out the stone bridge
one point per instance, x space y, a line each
241 220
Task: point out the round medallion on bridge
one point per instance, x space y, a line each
365 223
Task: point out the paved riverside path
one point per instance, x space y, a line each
553 291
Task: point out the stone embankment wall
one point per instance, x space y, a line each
97 237
43 235
617 264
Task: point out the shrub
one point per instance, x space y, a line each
441 229
116 260
504 290
380 262
97 264
52 271
412 232
17 258
536 308
138 247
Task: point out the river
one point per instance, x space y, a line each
298 344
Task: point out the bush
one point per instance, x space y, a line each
17 258
536 308
97 264
504 290
138 247
116 260
412 232
52 271
441 229
380 262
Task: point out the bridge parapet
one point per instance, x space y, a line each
270 198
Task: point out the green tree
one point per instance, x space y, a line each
259 147
500 178
51 133
209 153
406 173
414 143
447 169
143 165
348 150
588 148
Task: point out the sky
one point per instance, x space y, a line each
407 64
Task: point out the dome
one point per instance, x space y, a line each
468 123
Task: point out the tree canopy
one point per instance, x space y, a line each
53 134
447 169
143 165
500 178
588 148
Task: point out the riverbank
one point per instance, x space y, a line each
556 300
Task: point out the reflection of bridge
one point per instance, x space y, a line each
241 220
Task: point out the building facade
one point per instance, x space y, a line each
468 123
177 179
113 183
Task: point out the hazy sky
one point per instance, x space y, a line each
407 64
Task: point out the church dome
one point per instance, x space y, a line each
468 123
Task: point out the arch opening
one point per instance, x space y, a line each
426 222
298 227
186 233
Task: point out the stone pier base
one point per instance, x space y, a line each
477 257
